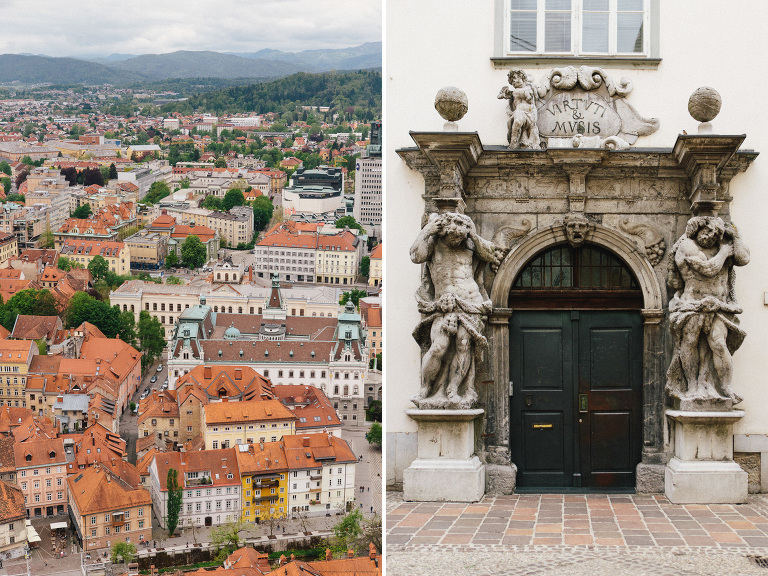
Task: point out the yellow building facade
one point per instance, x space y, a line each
264 475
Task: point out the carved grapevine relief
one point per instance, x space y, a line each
653 241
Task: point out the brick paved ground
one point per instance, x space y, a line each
584 533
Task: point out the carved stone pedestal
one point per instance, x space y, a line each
702 470
446 468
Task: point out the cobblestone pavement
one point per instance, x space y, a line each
574 534
368 470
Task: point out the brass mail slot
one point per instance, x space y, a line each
543 425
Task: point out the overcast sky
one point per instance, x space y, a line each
84 28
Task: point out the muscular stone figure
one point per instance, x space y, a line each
702 312
454 305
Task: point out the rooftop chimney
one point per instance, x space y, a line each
350 553
371 551
282 560
305 441
328 555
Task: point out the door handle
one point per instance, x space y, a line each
528 400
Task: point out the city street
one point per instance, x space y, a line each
128 421
368 470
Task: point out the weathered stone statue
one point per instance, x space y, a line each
522 130
702 312
455 306
576 228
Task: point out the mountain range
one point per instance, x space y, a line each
122 69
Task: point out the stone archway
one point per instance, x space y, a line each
501 472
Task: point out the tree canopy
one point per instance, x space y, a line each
349 222
151 335
175 495
123 552
28 302
193 252
353 295
212 202
82 211
374 434
171 261
98 267
157 191
232 198
262 212
83 307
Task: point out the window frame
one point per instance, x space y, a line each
650 55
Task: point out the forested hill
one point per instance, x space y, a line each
338 90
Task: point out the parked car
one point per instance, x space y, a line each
164 386
153 379
160 368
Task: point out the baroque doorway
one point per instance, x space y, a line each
576 348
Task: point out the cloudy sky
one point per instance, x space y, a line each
83 28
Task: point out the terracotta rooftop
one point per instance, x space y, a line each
7 459
97 490
16 350
159 404
36 327
310 405
219 464
246 411
12 506
358 566
92 248
39 452
263 458
218 381
376 252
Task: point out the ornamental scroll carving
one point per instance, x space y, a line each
575 107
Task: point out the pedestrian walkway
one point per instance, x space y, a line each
574 534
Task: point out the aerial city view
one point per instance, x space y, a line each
190 289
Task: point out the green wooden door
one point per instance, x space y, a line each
576 405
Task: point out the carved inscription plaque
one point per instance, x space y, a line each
578 112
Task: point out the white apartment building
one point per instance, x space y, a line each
368 198
211 483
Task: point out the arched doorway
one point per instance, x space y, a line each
575 359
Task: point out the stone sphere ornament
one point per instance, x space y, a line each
451 103
704 105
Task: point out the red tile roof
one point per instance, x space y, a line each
12 506
96 490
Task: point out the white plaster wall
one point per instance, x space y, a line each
436 43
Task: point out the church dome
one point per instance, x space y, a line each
231 333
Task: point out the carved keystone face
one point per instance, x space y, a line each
708 235
576 229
